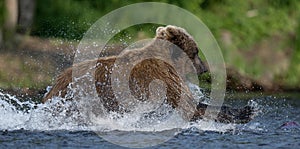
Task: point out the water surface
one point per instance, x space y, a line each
39 127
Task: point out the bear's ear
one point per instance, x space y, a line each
160 32
159 29
171 31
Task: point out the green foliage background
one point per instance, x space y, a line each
248 21
69 19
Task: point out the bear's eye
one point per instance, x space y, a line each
195 51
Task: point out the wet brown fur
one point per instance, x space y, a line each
140 78
142 74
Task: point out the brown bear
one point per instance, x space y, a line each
146 67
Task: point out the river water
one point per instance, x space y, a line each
33 125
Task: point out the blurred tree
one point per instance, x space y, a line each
17 15
10 19
25 16
2 13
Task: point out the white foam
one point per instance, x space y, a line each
59 114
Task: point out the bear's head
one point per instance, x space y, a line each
184 41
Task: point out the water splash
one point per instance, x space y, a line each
61 114
11 116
